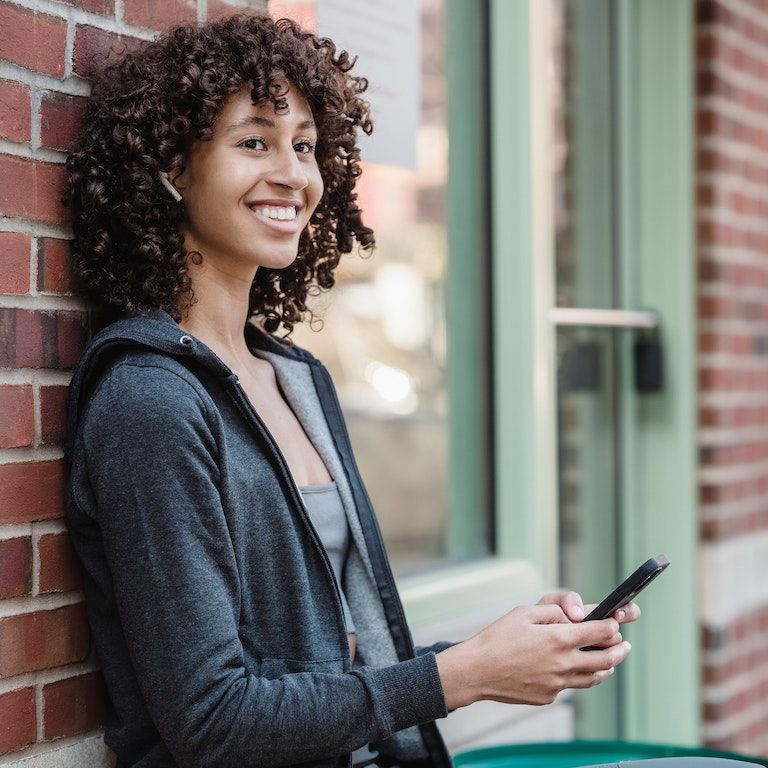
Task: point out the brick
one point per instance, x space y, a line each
94 48
14 262
733 491
15 111
744 26
53 414
730 455
737 664
705 11
17 416
40 339
724 743
15 567
18 721
706 83
59 566
32 189
737 702
60 117
70 338
737 416
103 7
737 525
54 265
43 639
160 15
730 343
74 705
33 39
705 195
715 530
31 490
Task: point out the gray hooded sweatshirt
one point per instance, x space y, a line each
213 607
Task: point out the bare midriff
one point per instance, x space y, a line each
352 640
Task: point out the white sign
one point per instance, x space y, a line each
385 36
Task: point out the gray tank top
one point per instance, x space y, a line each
327 515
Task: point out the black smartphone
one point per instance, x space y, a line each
624 593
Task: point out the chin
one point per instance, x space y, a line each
276 262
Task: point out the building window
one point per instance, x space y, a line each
384 333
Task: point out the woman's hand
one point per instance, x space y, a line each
528 656
574 608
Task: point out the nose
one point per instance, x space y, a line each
287 170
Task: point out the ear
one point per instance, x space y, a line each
166 182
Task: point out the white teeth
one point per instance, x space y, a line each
281 214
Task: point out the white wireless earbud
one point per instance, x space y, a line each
166 182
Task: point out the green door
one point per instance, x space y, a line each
613 341
601 256
587 270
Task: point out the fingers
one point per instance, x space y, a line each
615 640
625 614
603 660
573 606
630 612
570 602
597 632
590 679
594 667
547 614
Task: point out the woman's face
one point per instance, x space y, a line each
251 189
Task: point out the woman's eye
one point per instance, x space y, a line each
305 146
253 143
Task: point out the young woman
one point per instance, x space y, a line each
238 590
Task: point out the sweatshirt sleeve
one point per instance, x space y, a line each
438 647
152 460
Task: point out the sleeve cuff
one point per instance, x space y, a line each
410 692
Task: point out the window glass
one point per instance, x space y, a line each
383 333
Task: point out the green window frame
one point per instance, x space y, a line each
474 587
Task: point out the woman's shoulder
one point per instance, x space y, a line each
151 384
146 402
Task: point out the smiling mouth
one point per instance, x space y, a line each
279 219
276 213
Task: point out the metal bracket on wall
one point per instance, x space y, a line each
649 353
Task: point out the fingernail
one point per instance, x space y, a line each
577 612
622 614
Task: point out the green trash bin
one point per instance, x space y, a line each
569 754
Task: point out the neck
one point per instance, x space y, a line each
220 313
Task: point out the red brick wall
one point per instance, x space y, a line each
732 187
51 692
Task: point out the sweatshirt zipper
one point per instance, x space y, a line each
244 403
390 579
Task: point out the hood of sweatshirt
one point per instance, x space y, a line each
157 331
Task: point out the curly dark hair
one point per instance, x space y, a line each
145 112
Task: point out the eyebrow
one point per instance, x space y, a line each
265 122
